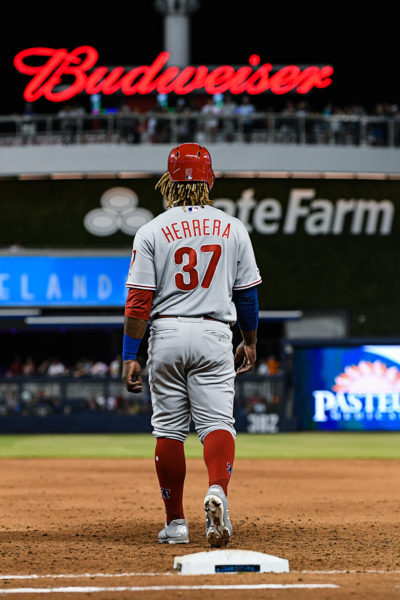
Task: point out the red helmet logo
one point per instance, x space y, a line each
191 162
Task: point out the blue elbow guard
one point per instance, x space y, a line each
246 302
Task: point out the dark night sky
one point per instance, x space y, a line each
359 45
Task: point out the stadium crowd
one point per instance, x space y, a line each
54 387
226 119
54 367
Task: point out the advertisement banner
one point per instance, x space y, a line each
63 281
348 387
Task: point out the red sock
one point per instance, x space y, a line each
171 471
219 453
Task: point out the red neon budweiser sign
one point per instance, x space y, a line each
78 72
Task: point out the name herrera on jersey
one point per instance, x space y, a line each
195 227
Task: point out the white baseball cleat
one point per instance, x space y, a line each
218 524
177 532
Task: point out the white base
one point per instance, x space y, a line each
229 561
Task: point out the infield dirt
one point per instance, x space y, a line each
75 516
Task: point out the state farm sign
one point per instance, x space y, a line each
77 72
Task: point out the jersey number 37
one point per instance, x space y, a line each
189 278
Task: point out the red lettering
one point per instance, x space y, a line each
315 77
127 80
205 227
186 229
218 80
285 80
33 90
197 82
216 227
147 84
164 82
184 78
176 232
227 231
112 83
78 72
90 57
79 66
99 82
47 76
238 83
93 85
168 234
196 227
259 81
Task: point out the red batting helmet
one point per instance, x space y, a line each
191 162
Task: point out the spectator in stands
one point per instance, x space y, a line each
15 369
302 109
336 126
87 364
80 370
246 109
287 128
183 125
210 113
56 368
28 125
67 124
269 366
70 122
128 125
99 369
43 367
101 402
29 368
256 405
228 111
327 110
115 368
111 403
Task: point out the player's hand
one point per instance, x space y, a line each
131 376
246 354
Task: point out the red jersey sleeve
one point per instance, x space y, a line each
138 304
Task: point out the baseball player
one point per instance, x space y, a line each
193 274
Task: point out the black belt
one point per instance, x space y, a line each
206 317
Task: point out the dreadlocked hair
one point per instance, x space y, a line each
181 193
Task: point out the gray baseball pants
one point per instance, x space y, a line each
191 374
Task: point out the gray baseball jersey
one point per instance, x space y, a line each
193 259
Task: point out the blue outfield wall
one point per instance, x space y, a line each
84 422
89 422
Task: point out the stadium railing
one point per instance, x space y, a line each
152 127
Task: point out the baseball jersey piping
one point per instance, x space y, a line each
247 285
141 286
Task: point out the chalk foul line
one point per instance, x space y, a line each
163 588
83 575
349 572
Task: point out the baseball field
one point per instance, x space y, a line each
81 513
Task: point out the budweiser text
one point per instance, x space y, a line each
78 73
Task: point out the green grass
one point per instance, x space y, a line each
283 445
